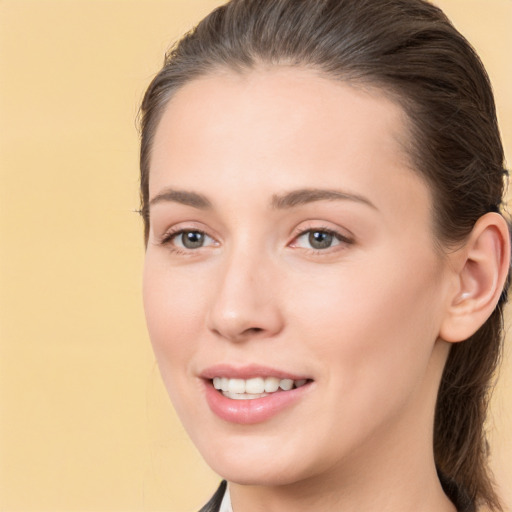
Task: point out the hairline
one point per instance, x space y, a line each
405 138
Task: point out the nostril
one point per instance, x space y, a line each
242 319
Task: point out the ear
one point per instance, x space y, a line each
481 267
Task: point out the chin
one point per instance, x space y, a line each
253 461
248 474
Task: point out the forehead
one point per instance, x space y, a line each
281 100
271 124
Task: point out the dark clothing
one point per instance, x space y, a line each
459 498
214 504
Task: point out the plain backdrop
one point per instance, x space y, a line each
84 421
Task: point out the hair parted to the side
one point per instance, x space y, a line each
410 50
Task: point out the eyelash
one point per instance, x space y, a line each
169 236
341 239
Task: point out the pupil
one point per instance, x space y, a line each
320 239
192 239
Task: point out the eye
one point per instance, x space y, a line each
189 239
319 239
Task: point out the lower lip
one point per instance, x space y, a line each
256 410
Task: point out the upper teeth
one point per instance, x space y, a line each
256 385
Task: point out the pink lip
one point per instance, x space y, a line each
247 372
257 410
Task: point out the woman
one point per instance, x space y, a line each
326 261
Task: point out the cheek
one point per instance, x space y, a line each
372 322
173 308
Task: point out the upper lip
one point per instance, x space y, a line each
247 372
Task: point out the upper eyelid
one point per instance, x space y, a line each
339 236
302 228
170 234
192 225
167 241
343 233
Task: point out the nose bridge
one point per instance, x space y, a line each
245 303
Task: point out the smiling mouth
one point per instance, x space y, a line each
256 387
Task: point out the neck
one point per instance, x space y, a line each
401 486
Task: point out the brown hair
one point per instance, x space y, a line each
409 49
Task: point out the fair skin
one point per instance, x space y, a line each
289 237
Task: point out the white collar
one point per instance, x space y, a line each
225 505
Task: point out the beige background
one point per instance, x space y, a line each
84 421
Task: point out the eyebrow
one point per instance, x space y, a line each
311 195
183 197
280 202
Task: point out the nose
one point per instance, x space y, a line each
245 302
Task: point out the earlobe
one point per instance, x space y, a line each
481 275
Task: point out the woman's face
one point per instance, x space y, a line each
291 245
